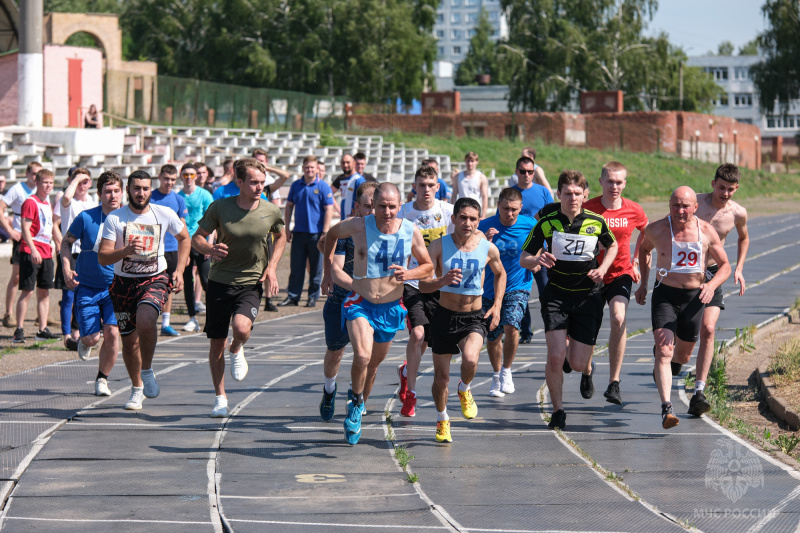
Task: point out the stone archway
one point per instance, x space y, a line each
58 27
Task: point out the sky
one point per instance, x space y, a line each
700 25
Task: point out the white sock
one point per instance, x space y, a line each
463 387
140 389
443 415
496 376
405 371
330 384
699 386
165 320
506 371
222 399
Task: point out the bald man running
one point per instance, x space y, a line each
683 243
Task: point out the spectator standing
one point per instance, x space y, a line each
197 201
164 196
311 201
361 165
472 183
36 268
202 174
340 184
14 199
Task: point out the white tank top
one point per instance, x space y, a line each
469 187
687 257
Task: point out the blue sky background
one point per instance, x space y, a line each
700 25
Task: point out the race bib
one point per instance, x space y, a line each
147 261
687 258
569 247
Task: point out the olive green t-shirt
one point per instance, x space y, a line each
245 233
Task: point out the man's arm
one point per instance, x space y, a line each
184 246
538 176
326 223
717 252
743 245
420 253
434 284
282 177
66 254
597 274
635 261
107 255
340 277
57 232
342 230
645 249
6 224
271 272
496 265
26 224
287 217
69 193
484 196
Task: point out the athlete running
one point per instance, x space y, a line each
434 219
240 263
571 302
683 243
373 310
508 230
718 209
622 217
133 241
459 322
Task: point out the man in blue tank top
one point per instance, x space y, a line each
459 322
336 337
373 310
508 230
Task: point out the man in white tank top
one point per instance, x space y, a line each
682 242
471 183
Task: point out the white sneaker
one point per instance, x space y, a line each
151 388
137 396
192 325
506 382
200 307
101 387
496 390
238 365
84 352
220 409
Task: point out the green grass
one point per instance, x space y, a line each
403 456
785 365
650 176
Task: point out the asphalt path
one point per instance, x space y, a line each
71 462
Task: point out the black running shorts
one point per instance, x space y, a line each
678 310
421 306
716 300
580 313
448 328
32 275
620 286
223 301
127 294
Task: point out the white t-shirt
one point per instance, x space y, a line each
433 223
470 187
76 207
14 198
123 224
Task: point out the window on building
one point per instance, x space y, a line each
440 18
472 32
455 18
770 122
471 2
455 34
494 15
495 33
441 51
721 101
717 73
743 100
456 50
472 17
440 34
455 3
741 73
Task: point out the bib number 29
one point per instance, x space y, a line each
685 259
382 257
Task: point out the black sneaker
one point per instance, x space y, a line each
7 323
71 344
312 302
269 306
288 302
19 336
668 419
587 386
558 420
525 339
565 367
45 335
698 405
612 393
676 368
327 407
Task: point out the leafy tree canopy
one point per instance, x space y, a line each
777 79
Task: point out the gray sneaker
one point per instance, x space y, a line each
84 352
137 397
151 388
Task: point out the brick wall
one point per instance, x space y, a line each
8 89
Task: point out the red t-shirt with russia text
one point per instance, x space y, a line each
40 214
621 222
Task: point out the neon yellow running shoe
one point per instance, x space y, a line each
468 407
443 431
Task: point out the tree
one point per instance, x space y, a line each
482 55
725 48
749 49
777 79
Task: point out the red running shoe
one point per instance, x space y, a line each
409 404
401 394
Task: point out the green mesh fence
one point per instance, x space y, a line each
186 102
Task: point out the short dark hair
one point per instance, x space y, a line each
139 175
360 156
366 188
259 151
727 172
227 165
32 165
425 171
242 165
510 194
465 201
531 150
79 170
189 166
572 177
168 169
524 160
199 165
109 176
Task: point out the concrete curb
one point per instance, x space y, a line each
779 407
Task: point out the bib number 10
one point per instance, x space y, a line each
382 257
686 259
472 266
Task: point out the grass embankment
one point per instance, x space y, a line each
650 176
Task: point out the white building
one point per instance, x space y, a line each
456 21
740 101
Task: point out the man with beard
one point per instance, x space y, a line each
133 241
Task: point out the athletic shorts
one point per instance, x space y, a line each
60 284
716 300
448 328
127 294
336 336
421 306
223 301
32 275
581 314
620 286
172 263
385 319
14 252
678 310
93 310
512 311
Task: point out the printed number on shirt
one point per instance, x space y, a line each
685 259
382 257
571 247
473 265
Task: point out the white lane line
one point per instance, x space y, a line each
106 520
775 511
342 497
330 524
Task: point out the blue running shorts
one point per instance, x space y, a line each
94 310
511 312
385 319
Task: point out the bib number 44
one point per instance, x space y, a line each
382 257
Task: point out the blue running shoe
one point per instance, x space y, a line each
352 423
327 407
169 331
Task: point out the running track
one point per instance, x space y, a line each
69 462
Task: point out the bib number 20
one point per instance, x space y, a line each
382 257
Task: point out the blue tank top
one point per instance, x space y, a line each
471 265
385 250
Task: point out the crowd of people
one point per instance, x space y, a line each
439 263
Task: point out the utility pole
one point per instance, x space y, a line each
680 85
30 64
